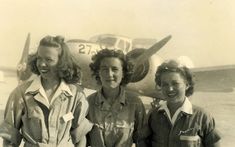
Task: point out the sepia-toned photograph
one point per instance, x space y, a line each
106 73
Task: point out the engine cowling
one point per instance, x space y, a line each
142 70
144 75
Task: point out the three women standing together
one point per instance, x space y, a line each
52 108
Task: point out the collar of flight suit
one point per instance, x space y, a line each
121 97
186 107
36 88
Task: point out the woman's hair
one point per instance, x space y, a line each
108 53
174 66
67 67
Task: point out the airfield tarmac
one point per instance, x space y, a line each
220 105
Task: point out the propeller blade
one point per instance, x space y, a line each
149 52
24 56
22 72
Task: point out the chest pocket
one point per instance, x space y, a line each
190 141
124 129
190 138
32 125
124 125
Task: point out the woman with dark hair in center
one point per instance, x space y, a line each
118 115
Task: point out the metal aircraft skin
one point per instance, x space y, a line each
146 61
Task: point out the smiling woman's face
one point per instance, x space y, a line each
173 87
111 72
47 60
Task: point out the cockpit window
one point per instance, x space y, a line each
121 44
127 46
108 41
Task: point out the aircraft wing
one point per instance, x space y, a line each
7 72
215 79
207 79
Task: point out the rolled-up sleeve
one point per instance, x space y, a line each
81 126
10 127
211 134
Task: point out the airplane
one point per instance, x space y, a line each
112 41
208 79
146 61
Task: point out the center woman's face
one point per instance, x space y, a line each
111 72
173 87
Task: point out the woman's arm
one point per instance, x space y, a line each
140 128
211 136
81 143
80 126
10 127
217 144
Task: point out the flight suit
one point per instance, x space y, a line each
30 116
118 124
190 126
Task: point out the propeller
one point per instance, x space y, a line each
149 52
24 56
23 72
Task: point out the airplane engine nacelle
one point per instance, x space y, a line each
144 76
142 70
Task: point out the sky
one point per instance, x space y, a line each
203 30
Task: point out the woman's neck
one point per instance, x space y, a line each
50 86
173 107
51 83
111 94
